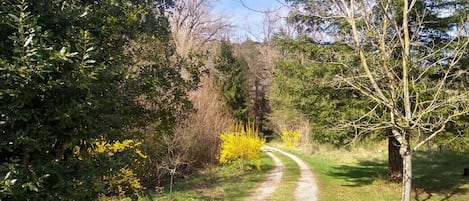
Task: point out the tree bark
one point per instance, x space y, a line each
406 151
395 161
26 159
407 176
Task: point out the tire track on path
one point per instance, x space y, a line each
271 183
307 189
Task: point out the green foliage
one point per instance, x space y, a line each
242 144
72 73
233 81
259 59
304 81
456 137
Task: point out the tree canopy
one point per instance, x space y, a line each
74 74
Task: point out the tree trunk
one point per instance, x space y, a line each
406 151
26 159
407 176
395 161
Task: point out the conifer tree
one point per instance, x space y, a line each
233 80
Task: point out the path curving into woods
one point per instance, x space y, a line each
306 190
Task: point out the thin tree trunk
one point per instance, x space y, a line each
406 151
407 176
26 159
395 161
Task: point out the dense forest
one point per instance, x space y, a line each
117 98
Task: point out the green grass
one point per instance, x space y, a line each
360 174
289 182
220 183
440 176
356 174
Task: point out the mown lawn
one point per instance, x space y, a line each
360 174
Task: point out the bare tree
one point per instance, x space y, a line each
195 142
194 24
175 157
395 70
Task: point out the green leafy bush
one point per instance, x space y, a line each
76 72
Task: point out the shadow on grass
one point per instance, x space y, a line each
363 173
440 174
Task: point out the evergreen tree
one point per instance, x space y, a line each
259 58
233 80
303 79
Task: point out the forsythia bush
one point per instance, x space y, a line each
111 148
243 144
125 181
290 138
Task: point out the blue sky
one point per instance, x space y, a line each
247 21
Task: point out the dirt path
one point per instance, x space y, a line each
307 189
271 183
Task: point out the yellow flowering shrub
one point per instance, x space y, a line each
125 181
290 138
111 148
243 144
102 147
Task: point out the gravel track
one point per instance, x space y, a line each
271 183
306 190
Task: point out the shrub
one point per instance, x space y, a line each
202 128
73 72
241 144
124 183
121 182
290 138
